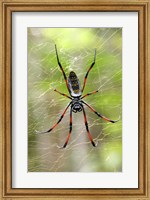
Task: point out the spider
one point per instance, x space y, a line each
76 104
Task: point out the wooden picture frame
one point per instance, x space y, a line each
7 7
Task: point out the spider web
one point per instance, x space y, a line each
76 52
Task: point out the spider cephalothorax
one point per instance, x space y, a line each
76 103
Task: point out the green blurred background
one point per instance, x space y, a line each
76 51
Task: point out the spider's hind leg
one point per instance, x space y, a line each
86 75
63 72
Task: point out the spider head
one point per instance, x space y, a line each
76 107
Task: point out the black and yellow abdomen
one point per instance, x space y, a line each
74 84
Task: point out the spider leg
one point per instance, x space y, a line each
88 94
87 128
86 75
63 94
61 117
103 117
68 137
61 67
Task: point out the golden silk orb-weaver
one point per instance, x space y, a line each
76 104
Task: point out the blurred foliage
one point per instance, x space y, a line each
76 51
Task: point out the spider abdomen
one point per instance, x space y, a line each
74 85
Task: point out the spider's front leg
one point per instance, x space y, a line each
103 117
87 128
70 130
61 117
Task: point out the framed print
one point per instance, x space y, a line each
74 80
76 107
